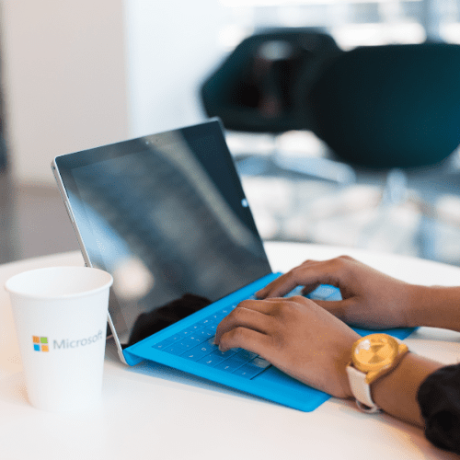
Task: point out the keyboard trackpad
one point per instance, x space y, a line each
275 381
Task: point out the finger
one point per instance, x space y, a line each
310 276
277 288
281 286
248 339
274 285
307 288
270 305
262 306
245 317
339 308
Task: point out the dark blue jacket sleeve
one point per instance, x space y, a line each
439 400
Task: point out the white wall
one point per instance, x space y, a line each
64 80
171 46
81 73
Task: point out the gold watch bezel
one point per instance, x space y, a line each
376 355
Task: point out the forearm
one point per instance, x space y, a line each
396 393
434 306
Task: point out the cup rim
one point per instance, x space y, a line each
89 292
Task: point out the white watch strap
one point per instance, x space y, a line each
360 389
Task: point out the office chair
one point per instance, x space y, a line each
262 86
391 108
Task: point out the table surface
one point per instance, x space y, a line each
153 412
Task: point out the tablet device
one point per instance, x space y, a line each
167 216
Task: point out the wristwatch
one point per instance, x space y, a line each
372 357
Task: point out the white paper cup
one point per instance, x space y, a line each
61 319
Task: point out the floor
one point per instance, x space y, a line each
415 213
421 220
356 216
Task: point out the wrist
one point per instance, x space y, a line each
418 302
385 375
433 306
343 363
396 392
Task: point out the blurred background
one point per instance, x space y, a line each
77 74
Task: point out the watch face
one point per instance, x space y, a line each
374 352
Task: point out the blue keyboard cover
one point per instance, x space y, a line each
195 344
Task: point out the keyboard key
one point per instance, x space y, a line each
229 365
191 330
247 355
211 360
236 361
207 347
209 326
225 354
175 349
192 340
164 343
205 334
323 292
337 295
215 318
186 345
248 371
295 291
175 337
220 317
196 353
260 362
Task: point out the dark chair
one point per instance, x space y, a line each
262 86
392 108
389 106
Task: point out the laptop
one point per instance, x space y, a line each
167 216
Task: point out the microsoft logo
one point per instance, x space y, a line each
40 343
44 344
70 343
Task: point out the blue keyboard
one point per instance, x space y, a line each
196 342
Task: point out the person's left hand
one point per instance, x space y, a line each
297 336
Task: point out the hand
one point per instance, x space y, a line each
371 299
295 335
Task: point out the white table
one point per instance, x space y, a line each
153 412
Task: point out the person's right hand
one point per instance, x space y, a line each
371 299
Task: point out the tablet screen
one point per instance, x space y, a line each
167 217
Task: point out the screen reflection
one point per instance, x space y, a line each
167 217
